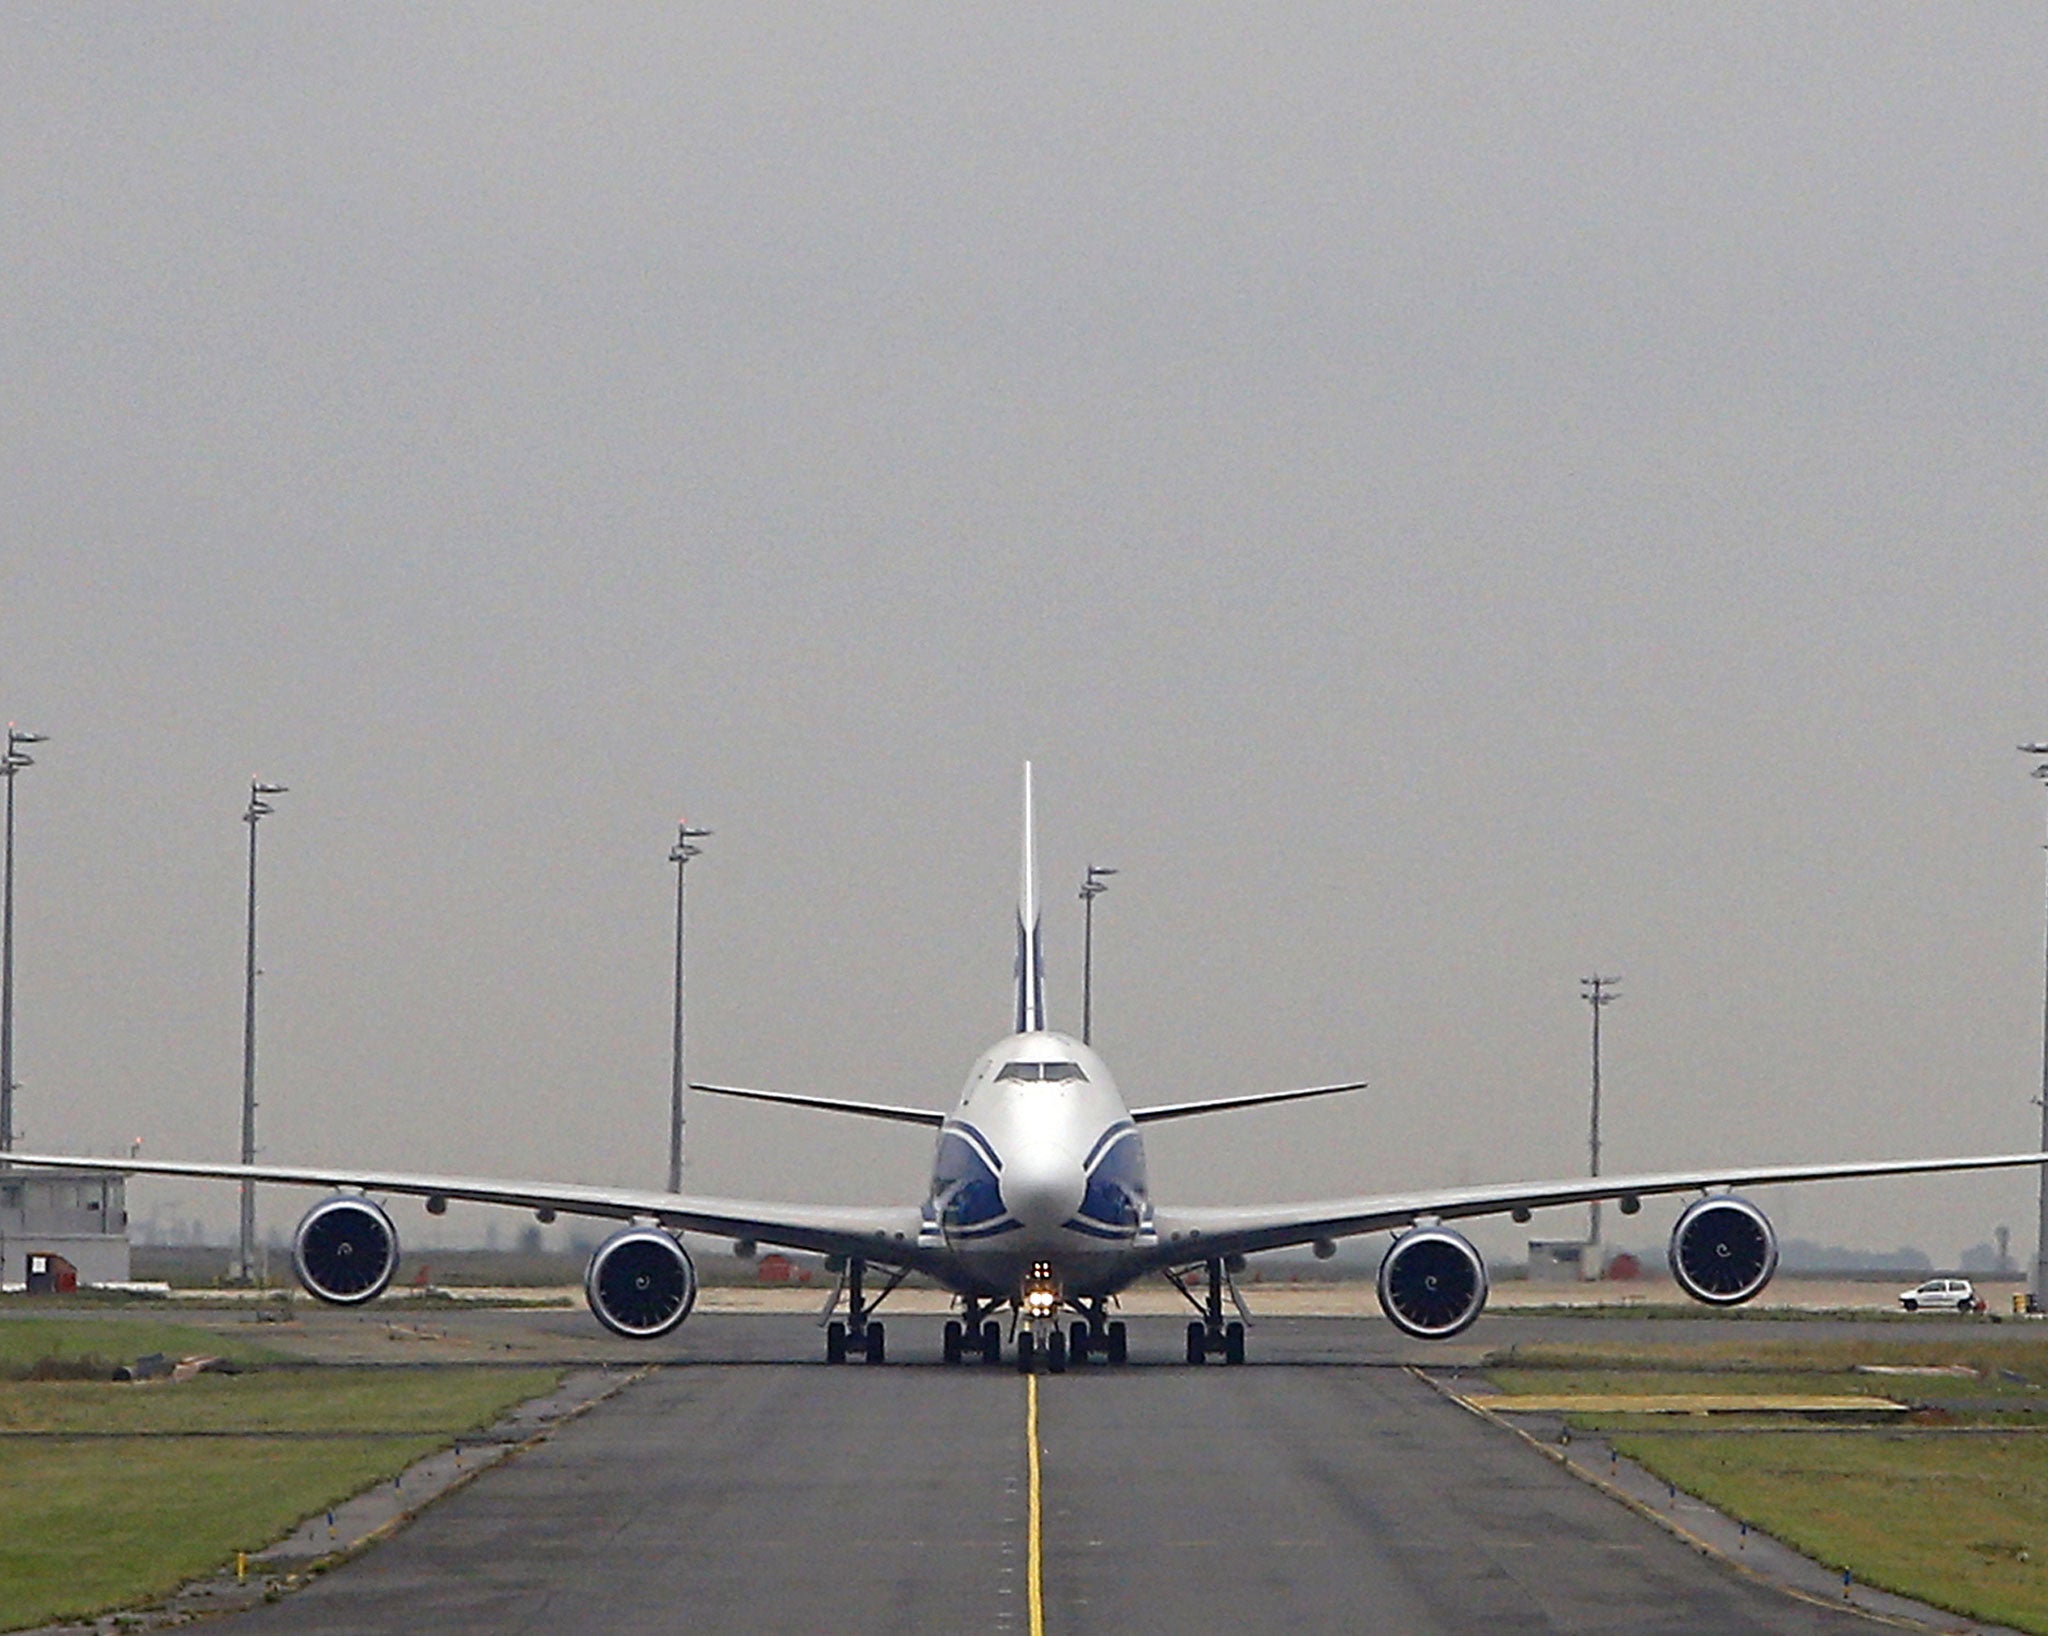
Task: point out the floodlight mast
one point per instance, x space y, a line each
2037 1274
258 809
1597 992
680 855
12 763
1093 884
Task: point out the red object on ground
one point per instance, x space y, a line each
1624 1267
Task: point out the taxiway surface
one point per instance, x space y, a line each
1320 1488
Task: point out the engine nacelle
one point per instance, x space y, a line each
345 1250
1432 1283
1723 1251
641 1283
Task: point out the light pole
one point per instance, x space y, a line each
258 809
680 855
2037 1274
12 763
1093 884
1597 992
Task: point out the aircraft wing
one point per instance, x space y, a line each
887 1234
1197 1234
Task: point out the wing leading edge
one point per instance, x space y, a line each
888 1234
1197 1234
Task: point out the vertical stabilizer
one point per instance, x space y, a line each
1030 955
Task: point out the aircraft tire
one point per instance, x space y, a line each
991 1342
835 1342
1027 1352
953 1349
877 1349
1119 1342
1233 1344
1198 1341
1056 1352
1078 1345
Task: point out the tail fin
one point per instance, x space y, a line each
1030 955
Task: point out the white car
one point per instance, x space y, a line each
1942 1295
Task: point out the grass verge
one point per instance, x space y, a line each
1960 1521
27 1341
89 1523
1956 1518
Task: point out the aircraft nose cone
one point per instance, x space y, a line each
1042 1187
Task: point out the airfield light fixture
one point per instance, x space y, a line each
1093 884
259 808
680 855
13 762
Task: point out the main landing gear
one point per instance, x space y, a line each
860 1335
976 1334
1209 1336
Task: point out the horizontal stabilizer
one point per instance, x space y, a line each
1183 1110
865 1110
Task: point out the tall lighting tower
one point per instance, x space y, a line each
12 763
1093 884
259 808
680 855
2037 1273
1597 992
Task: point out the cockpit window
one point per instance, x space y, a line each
1053 1072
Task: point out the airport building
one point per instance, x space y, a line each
79 1215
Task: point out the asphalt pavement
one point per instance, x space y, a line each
1320 1488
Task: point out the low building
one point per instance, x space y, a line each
1562 1260
77 1214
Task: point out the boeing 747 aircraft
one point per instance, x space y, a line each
1038 1210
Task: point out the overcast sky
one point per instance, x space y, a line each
1451 499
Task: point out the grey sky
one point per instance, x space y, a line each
1451 499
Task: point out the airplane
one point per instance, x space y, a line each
1038 1208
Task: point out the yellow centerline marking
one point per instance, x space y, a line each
1033 1549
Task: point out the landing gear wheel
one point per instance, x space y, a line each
1233 1344
1198 1341
876 1346
1027 1352
991 1342
952 1342
1119 1342
1056 1351
1078 1343
835 1342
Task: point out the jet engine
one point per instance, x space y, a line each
1723 1251
640 1283
1432 1283
345 1250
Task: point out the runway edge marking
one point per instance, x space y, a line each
1671 1525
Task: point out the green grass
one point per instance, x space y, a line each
92 1523
297 1401
1959 1520
2023 1349
26 1341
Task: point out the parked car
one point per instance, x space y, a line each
1942 1295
